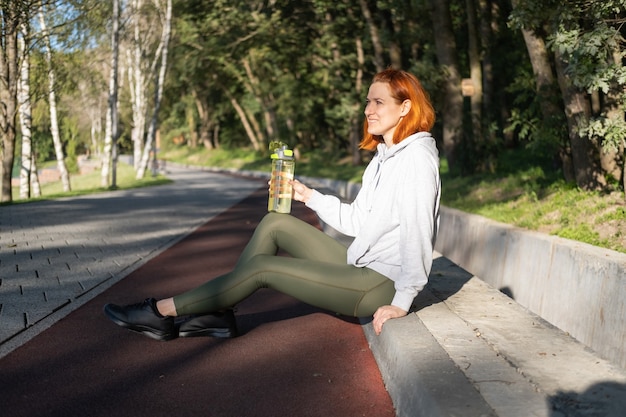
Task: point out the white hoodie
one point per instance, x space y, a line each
395 216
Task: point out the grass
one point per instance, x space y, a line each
310 164
89 183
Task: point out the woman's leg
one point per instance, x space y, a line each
316 273
344 289
280 231
275 232
296 237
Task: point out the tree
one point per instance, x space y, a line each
11 20
109 157
486 24
585 41
379 60
476 73
452 105
585 156
147 60
552 114
28 168
150 145
137 75
52 102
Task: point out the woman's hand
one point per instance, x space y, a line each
300 191
385 313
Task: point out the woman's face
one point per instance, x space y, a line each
383 112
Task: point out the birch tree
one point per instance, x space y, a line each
137 80
52 102
150 145
109 155
25 112
29 180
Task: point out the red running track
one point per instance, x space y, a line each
291 359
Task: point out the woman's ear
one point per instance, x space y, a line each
406 106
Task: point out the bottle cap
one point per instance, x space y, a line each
282 153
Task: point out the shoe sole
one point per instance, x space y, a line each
215 332
144 330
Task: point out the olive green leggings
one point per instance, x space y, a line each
316 273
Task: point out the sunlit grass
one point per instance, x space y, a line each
558 208
90 183
313 164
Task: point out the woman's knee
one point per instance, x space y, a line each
272 221
271 217
276 222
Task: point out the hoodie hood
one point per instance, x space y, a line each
385 153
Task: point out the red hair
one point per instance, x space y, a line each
421 116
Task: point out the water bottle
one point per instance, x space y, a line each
283 168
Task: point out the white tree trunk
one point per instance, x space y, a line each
95 116
25 112
109 157
34 177
137 86
149 146
106 150
54 121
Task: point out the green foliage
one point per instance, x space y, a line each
590 55
291 64
610 131
595 64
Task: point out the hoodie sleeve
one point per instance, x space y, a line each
346 218
417 210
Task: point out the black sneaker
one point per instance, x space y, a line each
221 325
143 318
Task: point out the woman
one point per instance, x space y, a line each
393 220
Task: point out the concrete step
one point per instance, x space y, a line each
469 350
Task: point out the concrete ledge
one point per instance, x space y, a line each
419 375
579 288
469 350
